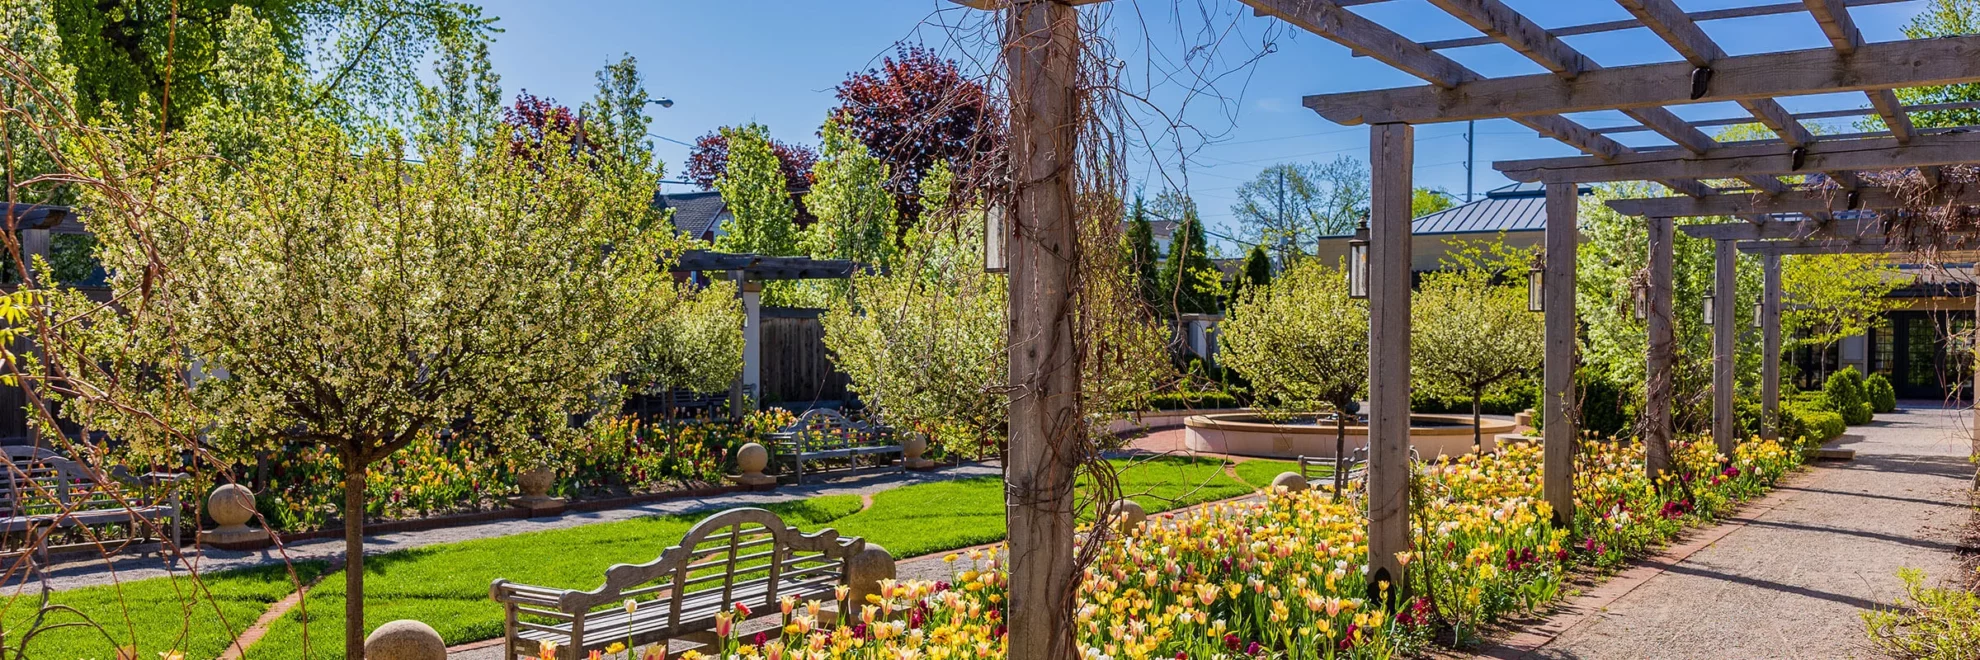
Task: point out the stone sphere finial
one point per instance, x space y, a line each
751 459
405 639
1126 514
866 569
1291 481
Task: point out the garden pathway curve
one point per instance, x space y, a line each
135 567
1791 581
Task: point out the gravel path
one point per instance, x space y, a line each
136 567
1790 583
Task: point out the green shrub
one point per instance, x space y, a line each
1605 410
1815 426
1883 398
1192 401
1927 623
1811 401
1845 390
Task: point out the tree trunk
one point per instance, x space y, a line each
353 558
1477 433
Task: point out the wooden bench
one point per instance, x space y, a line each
822 434
739 556
48 492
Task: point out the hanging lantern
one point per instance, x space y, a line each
1639 295
994 243
1534 276
1358 263
1710 298
1760 314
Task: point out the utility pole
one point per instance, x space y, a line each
1041 54
1470 158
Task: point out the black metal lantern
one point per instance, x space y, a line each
1710 298
1358 263
1535 274
994 245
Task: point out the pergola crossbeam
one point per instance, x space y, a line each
1740 160
1631 24
1886 65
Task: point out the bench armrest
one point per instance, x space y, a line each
158 478
504 591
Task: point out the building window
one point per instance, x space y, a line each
1883 347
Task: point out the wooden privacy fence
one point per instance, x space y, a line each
797 370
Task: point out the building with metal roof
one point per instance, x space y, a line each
1518 211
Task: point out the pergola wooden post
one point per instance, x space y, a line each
1391 158
1724 310
1770 347
1559 428
1041 57
1662 349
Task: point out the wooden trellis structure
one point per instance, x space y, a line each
1743 178
1747 179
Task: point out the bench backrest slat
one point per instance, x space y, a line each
715 555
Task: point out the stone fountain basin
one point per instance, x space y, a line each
1250 434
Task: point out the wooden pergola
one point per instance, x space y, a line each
750 271
1758 179
1754 179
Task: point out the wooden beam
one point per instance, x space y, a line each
1887 65
1041 53
1330 21
1391 160
1785 229
1802 202
1631 24
1511 28
1770 348
1661 353
1802 116
1361 35
1690 41
1841 29
1725 307
1870 154
1557 300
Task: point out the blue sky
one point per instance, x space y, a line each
776 62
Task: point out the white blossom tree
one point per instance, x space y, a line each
1470 331
1303 344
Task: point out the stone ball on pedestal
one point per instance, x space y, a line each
1127 514
231 505
865 570
1291 481
405 640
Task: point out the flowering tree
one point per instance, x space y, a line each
919 109
691 339
710 158
925 346
326 287
1470 331
1828 297
1303 344
753 186
856 218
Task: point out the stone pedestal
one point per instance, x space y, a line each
912 448
405 640
232 506
751 459
1523 420
535 485
865 571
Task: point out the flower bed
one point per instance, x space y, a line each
440 475
1283 576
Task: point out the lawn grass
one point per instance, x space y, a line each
1259 473
154 615
446 585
